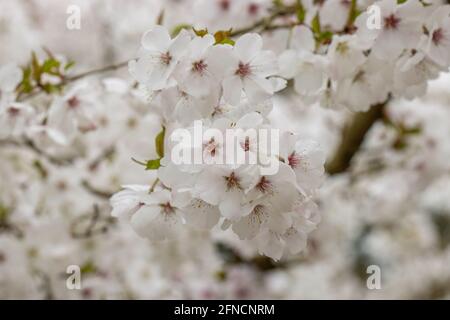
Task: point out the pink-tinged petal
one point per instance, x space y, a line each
295 241
179 45
221 60
230 207
232 89
200 214
197 84
288 62
270 245
156 39
199 46
257 89
248 46
311 80
249 226
210 186
265 64
152 223
302 39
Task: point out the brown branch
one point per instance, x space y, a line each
352 138
112 67
30 145
265 23
68 80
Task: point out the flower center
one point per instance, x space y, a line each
391 22
199 66
166 58
13 111
232 181
211 147
246 144
167 208
253 9
437 36
264 185
294 160
224 5
259 213
243 70
73 102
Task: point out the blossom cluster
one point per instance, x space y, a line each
192 78
392 49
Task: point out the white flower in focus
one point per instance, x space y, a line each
126 202
437 43
334 14
248 71
158 57
306 159
225 187
345 56
194 75
267 212
400 28
301 64
158 219
412 72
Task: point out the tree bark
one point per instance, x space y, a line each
352 138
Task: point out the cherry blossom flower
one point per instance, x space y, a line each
158 57
157 219
400 28
249 71
437 43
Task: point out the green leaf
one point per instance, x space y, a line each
200 32
153 164
51 66
301 13
177 29
315 24
69 65
324 37
35 67
88 267
159 142
4 212
223 37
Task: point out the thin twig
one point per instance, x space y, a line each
265 23
112 67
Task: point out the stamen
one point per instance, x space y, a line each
73 102
13 111
253 9
167 208
437 36
391 22
166 58
199 66
294 160
264 185
243 70
233 181
224 5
